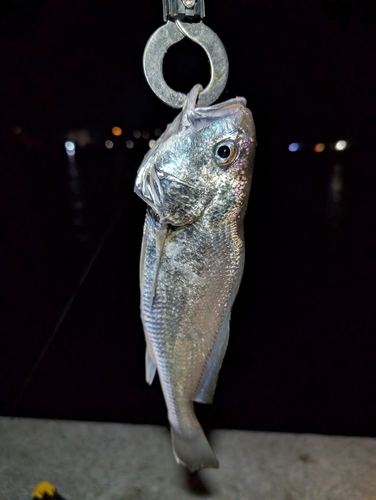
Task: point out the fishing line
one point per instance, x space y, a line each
67 307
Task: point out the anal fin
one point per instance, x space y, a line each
208 383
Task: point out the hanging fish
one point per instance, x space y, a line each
196 181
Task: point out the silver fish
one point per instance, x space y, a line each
195 180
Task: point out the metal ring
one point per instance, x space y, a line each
173 32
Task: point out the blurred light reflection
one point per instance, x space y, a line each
294 146
109 144
116 131
129 144
336 184
136 134
151 143
319 148
145 134
157 132
334 212
70 148
340 145
77 203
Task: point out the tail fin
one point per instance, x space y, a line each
194 452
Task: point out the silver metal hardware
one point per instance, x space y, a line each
173 32
183 9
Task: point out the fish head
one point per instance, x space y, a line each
201 166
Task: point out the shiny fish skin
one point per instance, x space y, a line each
192 258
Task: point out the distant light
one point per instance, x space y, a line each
109 144
17 130
319 148
145 134
340 145
136 134
70 148
129 144
157 132
116 131
151 143
294 146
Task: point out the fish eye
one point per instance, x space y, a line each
225 153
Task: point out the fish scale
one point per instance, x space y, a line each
192 257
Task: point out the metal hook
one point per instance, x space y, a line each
173 32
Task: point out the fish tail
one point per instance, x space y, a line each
194 451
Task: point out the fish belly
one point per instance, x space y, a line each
187 290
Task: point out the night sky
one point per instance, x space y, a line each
302 353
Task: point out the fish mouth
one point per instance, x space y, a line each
146 200
164 193
149 188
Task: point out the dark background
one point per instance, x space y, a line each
302 353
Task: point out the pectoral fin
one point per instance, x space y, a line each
151 254
142 259
208 381
150 366
160 238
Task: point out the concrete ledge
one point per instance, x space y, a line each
102 461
